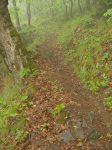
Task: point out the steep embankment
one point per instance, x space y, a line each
91 57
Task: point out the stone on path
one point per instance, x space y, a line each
91 116
93 135
84 124
78 132
66 136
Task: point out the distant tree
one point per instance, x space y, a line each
88 4
71 7
66 8
16 14
52 7
28 7
79 5
106 3
94 2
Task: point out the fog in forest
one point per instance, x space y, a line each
55 74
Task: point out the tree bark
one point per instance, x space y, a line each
16 15
11 48
28 12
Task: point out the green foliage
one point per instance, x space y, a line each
24 97
20 135
108 14
25 73
58 109
108 102
88 58
34 72
2 101
12 120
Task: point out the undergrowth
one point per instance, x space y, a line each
108 102
14 98
91 55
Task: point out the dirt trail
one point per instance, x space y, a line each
89 125
71 84
52 53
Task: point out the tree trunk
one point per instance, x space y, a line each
66 8
11 47
28 12
79 5
16 15
71 8
88 4
52 8
94 2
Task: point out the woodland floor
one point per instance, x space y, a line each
84 124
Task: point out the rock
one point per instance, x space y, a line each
109 127
66 136
63 117
79 133
91 116
79 124
93 135
84 124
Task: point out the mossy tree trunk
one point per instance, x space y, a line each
11 47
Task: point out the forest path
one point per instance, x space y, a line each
85 100
89 124
52 53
